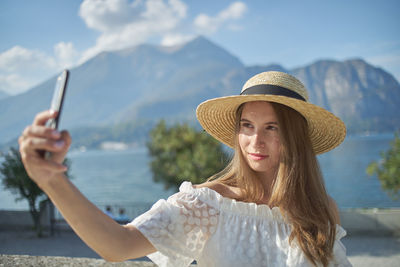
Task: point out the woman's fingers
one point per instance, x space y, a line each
44 116
41 131
37 138
37 129
66 137
33 144
60 155
37 167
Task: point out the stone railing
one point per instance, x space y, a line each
45 261
24 260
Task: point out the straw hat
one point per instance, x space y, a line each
217 116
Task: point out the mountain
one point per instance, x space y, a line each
3 94
365 97
146 83
116 86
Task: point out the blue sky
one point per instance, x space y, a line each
40 38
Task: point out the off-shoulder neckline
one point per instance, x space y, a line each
229 205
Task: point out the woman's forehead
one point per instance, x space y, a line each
258 109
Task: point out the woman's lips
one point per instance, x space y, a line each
256 156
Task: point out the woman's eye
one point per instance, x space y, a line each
246 125
273 128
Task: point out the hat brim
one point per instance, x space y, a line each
217 116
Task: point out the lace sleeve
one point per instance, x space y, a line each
339 250
178 228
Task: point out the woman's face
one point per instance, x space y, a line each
259 137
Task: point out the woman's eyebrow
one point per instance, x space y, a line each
270 122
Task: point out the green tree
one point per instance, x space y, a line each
388 169
15 178
181 153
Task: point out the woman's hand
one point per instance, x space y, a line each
38 138
109 239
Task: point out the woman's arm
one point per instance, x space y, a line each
110 240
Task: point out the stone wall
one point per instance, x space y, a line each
38 261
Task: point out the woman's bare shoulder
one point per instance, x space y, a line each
218 187
223 190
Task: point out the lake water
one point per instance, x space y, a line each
123 178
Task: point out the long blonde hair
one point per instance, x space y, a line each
298 189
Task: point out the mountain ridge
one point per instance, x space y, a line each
149 82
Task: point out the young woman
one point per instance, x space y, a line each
269 207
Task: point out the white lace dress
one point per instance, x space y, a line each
200 224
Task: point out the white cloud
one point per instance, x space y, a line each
234 11
106 16
13 83
207 24
18 58
22 68
175 39
123 24
66 55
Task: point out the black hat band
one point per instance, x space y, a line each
269 89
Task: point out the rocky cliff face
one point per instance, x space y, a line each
365 97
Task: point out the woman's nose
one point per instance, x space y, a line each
259 139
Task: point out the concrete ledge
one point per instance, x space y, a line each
371 221
25 260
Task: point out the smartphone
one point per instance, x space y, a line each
57 102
